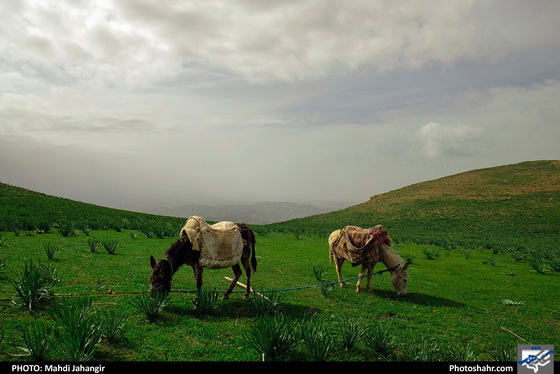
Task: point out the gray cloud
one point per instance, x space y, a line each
136 102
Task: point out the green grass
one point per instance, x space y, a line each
484 277
451 300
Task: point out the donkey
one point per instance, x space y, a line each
182 252
374 246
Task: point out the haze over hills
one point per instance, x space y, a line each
516 204
256 213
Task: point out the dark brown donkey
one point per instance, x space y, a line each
181 252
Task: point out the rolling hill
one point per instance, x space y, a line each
510 205
513 205
22 209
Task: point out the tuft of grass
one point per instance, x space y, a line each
52 250
152 304
268 303
381 340
320 273
112 324
35 283
38 339
111 246
271 336
537 262
351 333
71 312
317 339
93 244
82 330
206 301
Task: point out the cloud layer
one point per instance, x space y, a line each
139 102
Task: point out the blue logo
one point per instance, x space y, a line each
533 359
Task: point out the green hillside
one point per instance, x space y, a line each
22 209
511 205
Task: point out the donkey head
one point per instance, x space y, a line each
399 276
160 281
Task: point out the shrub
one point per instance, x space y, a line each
431 254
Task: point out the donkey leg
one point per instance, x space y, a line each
236 274
198 277
245 260
338 264
362 272
369 274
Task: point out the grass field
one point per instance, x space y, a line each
464 300
484 279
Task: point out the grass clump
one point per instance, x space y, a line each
93 244
266 304
152 304
52 250
381 340
35 283
272 336
82 331
320 273
206 301
111 246
38 340
351 333
317 339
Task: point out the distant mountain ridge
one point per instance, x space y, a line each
256 213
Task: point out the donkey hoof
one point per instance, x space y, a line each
225 297
358 289
245 297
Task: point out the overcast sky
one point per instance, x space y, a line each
146 102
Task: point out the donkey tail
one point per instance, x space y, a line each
253 257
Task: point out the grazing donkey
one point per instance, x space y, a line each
221 245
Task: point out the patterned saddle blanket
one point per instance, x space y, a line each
357 245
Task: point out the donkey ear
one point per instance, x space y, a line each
407 262
152 261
